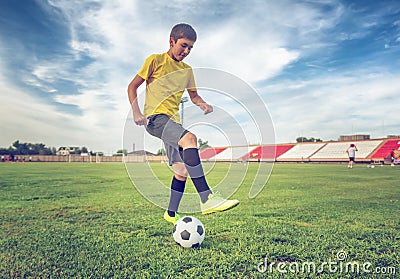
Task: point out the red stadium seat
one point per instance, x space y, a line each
386 148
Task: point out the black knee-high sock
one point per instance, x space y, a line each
191 159
177 189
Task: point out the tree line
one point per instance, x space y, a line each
27 148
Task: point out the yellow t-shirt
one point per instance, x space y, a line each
166 80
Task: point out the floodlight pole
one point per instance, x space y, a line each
183 101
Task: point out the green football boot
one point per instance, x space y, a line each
217 203
170 219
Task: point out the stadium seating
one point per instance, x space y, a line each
300 151
210 152
337 150
368 151
384 151
232 153
267 152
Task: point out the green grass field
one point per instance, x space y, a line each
78 220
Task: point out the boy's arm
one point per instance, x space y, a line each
138 117
197 100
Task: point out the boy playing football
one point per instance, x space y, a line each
167 77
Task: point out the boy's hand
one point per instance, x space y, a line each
140 119
206 108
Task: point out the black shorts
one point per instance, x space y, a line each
352 159
170 132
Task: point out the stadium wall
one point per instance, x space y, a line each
86 159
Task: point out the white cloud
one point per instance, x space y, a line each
233 50
26 118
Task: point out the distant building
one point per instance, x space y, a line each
64 151
354 137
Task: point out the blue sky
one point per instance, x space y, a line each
322 68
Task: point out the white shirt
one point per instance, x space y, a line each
352 151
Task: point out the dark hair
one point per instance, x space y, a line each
352 145
183 30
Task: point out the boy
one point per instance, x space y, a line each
166 79
351 151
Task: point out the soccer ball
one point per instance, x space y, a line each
188 232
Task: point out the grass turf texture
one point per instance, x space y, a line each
82 220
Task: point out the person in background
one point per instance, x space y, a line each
351 152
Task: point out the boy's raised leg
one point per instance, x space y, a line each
210 202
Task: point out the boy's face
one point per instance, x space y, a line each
180 49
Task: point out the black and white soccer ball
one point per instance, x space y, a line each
189 232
